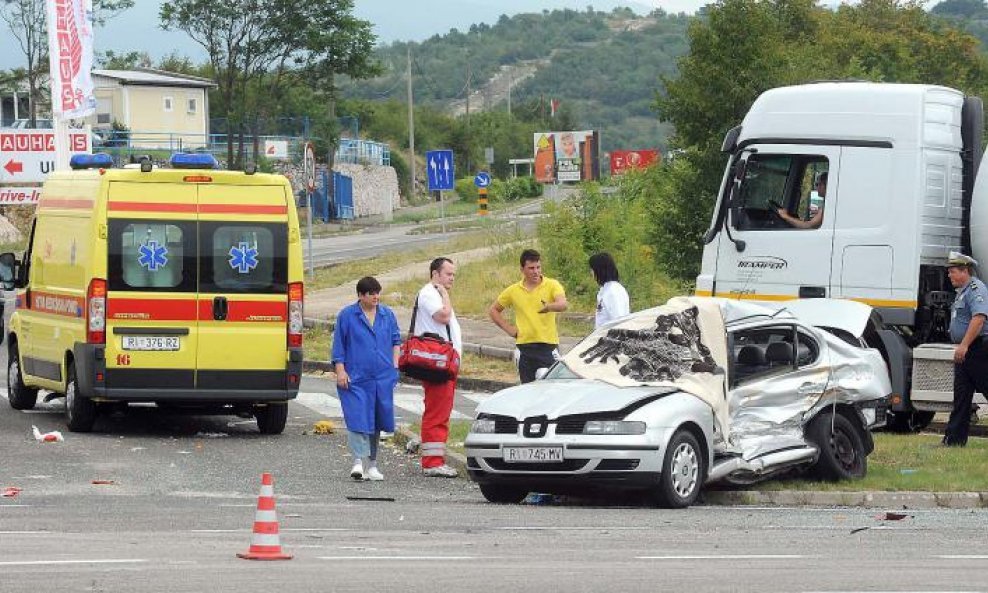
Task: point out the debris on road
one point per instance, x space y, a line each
890 516
10 492
323 427
372 498
103 482
48 437
210 435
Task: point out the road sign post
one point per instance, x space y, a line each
482 181
309 173
442 173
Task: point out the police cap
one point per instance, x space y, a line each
956 258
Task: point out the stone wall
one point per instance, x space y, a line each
375 187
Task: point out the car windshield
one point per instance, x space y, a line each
560 371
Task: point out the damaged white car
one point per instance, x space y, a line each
697 391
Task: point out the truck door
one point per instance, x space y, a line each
151 337
775 257
243 288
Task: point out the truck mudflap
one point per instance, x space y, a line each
223 387
899 358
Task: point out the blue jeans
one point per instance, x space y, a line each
363 445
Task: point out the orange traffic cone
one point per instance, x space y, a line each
264 543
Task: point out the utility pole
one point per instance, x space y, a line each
468 113
509 92
411 130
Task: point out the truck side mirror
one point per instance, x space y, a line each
8 270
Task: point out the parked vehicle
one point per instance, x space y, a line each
697 391
900 163
178 286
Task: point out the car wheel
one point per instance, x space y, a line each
907 422
683 471
503 494
80 411
20 396
842 451
271 419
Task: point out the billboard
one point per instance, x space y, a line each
622 160
567 156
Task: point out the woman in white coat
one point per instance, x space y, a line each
612 298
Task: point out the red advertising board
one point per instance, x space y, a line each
622 160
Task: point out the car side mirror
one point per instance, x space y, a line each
541 373
8 270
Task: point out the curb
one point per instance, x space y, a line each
403 435
868 500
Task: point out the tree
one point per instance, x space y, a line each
27 22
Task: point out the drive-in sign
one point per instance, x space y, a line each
28 156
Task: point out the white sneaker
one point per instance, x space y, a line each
357 472
373 474
443 471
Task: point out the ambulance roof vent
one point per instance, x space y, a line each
100 160
196 160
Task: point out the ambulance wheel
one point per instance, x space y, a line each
21 396
271 418
501 494
80 411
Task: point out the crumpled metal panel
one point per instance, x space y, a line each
769 413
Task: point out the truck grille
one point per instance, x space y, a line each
933 375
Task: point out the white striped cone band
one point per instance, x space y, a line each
266 517
433 449
264 539
267 491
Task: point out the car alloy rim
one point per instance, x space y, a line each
685 468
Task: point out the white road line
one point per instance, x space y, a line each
27 532
598 528
417 558
322 403
281 529
14 506
727 557
963 556
476 396
56 562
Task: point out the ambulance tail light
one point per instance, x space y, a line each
295 305
96 312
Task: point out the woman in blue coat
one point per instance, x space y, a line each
365 352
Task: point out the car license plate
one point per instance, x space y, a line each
151 343
533 454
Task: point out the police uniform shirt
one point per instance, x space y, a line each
971 300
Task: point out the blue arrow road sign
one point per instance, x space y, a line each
439 166
483 179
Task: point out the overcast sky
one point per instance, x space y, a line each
137 29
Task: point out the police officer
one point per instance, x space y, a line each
968 330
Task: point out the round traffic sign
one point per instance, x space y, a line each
309 167
483 179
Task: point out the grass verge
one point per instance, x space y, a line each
911 463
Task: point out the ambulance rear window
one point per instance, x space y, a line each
244 258
152 255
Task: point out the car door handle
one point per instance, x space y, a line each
812 292
220 308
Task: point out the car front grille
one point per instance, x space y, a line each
570 425
567 465
504 424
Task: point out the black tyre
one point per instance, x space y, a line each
683 472
20 396
906 422
271 419
80 411
842 450
502 494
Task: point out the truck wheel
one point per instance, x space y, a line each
906 422
271 419
683 472
842 452
21 397
80 411
501 494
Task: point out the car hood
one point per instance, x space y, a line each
554 398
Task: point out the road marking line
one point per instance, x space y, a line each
322 403
476 396
2 505
727 557
600 528
283 529
55 562
400 557
963 556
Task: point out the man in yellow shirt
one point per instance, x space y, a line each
536 300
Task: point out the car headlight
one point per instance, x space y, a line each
482 426
613 427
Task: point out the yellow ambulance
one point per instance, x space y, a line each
180 286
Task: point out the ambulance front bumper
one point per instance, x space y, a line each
182 385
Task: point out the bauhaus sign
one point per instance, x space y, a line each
28 156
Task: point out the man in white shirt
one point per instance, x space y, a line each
435 316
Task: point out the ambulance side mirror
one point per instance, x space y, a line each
8 270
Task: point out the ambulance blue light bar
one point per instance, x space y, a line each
100 160
186 160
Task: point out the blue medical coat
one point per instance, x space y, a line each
367 354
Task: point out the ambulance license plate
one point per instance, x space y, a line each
150 343
536 454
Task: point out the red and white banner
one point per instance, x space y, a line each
622 160
70 47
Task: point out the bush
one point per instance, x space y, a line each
616 222
516 188
466 189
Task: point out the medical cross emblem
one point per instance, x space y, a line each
152 256
244 258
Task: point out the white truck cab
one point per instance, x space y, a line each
856 190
